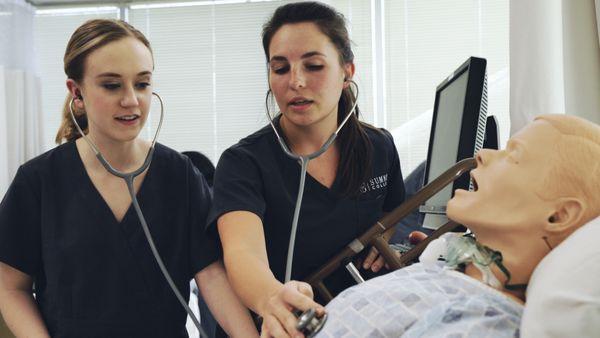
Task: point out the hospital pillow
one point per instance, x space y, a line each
563 297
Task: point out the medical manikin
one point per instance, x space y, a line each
527 199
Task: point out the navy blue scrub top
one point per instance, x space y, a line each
255 175
94 276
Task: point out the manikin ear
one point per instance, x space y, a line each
348 73
75 91
567 216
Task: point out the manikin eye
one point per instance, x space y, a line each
513 156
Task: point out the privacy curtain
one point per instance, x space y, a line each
554 59
20 94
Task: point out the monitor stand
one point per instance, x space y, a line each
435 216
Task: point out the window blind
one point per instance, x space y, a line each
52 31
211 71
425 41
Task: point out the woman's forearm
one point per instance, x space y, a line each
224 304
251 279
246 260
245 255
21 314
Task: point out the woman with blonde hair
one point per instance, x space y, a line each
67 225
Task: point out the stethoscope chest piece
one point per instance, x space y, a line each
309 323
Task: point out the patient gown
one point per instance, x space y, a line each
422 301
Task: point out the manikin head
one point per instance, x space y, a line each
537 191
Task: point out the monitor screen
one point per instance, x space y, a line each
457 131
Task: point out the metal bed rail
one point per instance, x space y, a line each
374 235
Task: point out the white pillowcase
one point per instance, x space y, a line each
563 296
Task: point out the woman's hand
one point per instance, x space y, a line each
416 237
375 261
278 319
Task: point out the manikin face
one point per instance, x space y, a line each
305 74
508 183
116 90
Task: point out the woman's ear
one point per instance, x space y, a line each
348 73
75 92
567 216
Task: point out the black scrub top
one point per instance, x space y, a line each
255 175
94 276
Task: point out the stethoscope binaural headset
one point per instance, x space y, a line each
308 322
129 177
303 160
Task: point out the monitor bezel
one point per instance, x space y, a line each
473 96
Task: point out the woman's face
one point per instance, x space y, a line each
305 74
116 89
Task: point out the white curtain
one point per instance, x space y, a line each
598 18
20 90
554 59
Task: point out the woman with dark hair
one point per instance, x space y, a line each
67 224
310 70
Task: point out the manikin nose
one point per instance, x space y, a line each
485 156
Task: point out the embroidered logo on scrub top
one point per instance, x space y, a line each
374 183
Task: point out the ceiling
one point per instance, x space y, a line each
56 3
61 2
68 3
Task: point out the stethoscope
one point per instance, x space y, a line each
308 321
304 159
129 177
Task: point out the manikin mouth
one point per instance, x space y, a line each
474 181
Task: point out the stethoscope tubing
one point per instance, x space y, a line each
303 160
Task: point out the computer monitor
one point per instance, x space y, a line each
457 132
492 135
